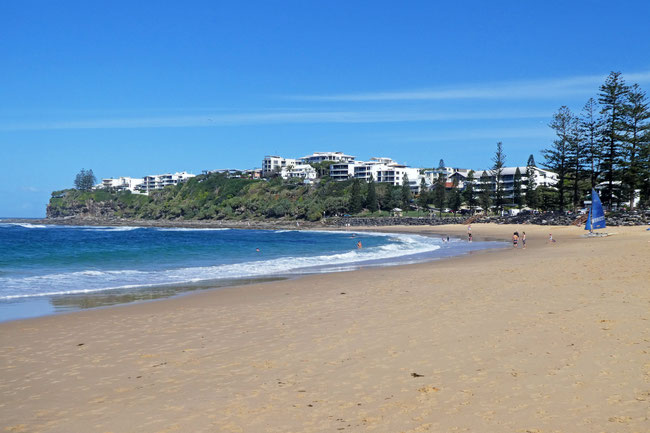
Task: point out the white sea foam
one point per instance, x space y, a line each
106 228
92 280
189 229
26 225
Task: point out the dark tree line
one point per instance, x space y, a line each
607 142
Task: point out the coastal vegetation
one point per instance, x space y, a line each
85 180
216 196
609 141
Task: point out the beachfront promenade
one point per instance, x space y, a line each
554 338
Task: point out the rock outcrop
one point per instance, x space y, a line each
546 218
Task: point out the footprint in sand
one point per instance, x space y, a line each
428 389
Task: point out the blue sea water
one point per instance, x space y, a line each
49 268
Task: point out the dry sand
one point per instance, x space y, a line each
554 338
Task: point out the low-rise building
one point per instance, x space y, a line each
122 183
383 170
304 171
253 173
450 174
273 164
326 156
159 181
542 178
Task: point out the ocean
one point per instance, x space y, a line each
47 269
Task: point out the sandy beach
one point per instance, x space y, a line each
553 338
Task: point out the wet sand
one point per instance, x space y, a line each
554 338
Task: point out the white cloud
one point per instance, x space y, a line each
585 85
495 134
272 118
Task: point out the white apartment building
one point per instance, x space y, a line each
344 170
274 164
542 178
380 169
122 183
449 173
326 156
159 181
296 167
358 169
304 171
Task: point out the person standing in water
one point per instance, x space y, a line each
359 246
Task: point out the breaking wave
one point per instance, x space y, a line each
93 280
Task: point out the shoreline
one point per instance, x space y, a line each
551 338
112 222
29 307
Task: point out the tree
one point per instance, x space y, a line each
439 188
645 172
547 198
637 130
531 188
356 202
371 198
485 194
455 199
406 192
499 161
394 196
85 180
322 168
557 156
516 190
468 193
423 197
531 161
612 97
576 157
590 126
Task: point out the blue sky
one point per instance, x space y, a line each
136 88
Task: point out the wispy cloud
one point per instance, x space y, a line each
495 134
271 118
537 89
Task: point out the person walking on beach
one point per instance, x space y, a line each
550 238
523 240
